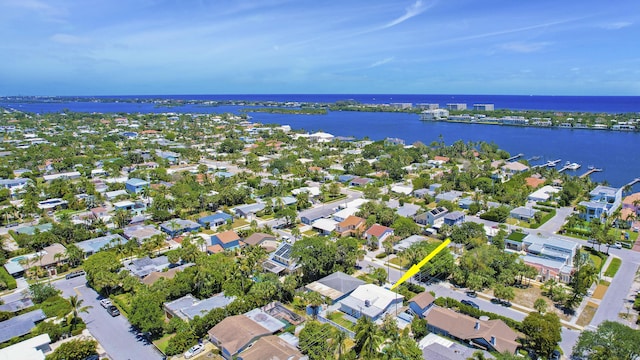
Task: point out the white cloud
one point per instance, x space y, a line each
413 10
616 25
521 47
382 62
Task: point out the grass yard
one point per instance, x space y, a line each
239 223
526 297
597 261
613 267
587 314
401 262
337 318
163 342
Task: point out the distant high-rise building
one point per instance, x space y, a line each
458 106
483 107
425 106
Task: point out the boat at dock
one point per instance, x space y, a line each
573 166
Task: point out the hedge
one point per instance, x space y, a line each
7 279
476 313
545 218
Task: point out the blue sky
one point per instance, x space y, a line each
543 47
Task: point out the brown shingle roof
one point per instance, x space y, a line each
227 236
467 328
377 230
272 348
257 238
534 182
235 332
423 299
352 220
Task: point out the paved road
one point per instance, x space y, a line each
114 333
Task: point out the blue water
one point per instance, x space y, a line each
615 152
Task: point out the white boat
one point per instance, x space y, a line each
573 166
591 167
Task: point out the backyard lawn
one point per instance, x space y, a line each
337 318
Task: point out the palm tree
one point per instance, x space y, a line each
339 342
76 309
368 338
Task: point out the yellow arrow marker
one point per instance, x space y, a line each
415 268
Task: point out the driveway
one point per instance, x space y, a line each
115 334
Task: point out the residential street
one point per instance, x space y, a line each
114 333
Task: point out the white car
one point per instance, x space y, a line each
105 303
617 245
193 351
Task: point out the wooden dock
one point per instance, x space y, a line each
550 163
633 182
515 157
591 171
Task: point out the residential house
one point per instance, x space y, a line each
309 216
67 175
164 274
421 193
31 230
451 196
371 301
235 333
523 213
408 210
146 265
112 195
406 243
188 307
92 246
20 325
552 257
379 232
343 214
493 335
175 227
248 211
324 226
632 202
336 286
31 349
432 216
435 347
545 193
281 260
420 303
360 181
272 347
351 226
257 239
135 185
604 201
14 185
226 240
140 232
465 203
52 204
214 220
454 218
402 189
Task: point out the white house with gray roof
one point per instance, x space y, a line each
371 301
188 307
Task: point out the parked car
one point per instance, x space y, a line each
73 274
470 303
617 245
113 311
193 351
472 294
105 303
496 301
555 355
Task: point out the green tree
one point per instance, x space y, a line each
368 338
74 350
419 327
402 348
542 332
611 340
540 305
146 311
314 340
77 308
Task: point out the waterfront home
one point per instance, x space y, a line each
371 301
178 226
632 202
336 286
227 240
604 201
272 347
493 335
188 307
351 226
135 185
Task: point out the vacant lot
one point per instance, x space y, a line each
587 314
